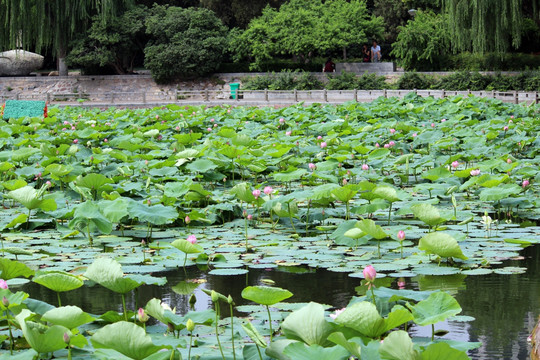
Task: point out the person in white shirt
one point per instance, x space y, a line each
375 52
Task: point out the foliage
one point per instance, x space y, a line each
414 80
185 42
303 29
484 25
113 42
44 24
494 62
423 43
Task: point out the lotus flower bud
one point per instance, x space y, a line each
142 316
190 325
214 296
5 301
3 284
67 338
369 273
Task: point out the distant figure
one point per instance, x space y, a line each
329 66
366 54
375 52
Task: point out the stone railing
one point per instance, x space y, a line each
360 68
253 97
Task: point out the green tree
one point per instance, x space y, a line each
302 29
423 43
184 42
484 26
50 24
238 13
115 42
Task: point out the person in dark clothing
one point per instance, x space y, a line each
366 54
329 66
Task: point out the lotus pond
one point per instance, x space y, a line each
162 233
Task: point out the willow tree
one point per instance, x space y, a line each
484 26
51 24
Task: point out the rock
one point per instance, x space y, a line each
19 62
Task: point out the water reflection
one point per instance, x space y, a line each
505 306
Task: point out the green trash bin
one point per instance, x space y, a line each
234 89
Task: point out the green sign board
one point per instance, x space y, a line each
21 108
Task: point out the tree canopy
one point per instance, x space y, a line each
305 28
50 24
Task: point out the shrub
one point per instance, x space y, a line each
285 80
259 82
371 82
343 81
308 81
414 80
185 42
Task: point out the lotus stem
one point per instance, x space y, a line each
307 217
292 223
270 323
347 207
432 332
59 301
10 333
232 331
389 213
124 306
217 332
259 351
190 342
172 354
373 294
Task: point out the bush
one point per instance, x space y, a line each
186 42
343 81
494 62
259 82
307 81
414 80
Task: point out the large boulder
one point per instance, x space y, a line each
19 62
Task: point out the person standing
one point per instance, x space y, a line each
375 52
366 54
329 66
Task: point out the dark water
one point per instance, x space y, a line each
505 306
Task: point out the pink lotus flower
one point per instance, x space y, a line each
401 284
3 284
345 181
323 145
336 313
392 143
192 239
369 273
510 121
187 219
401 235
215 125
268 190
256 193
212 120
443 120
414 135
281 120
365 167
312 166
209 129
505 128
386 146
75 141
288 133
377 145
455 164
525 183
141 315
475 172
250 217
511 116
157 117
48 183
392 131
319 137
177 128
508 161
105 140
432 125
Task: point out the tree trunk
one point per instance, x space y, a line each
61 62
62 67
344 53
